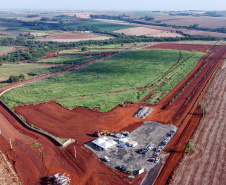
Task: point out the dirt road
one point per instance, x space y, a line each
206 164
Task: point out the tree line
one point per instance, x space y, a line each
147 18
38 49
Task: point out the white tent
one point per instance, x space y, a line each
105 145
98 141
104 138
112 142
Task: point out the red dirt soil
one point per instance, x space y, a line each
79 123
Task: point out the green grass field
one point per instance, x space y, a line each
132 69
104 26
4 48
69 59
28 70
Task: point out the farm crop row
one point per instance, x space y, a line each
174 77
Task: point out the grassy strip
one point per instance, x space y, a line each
28 70
133 69
4 48
69 59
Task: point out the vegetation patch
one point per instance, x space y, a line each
25 71
4 48
104 26
189 148
35 144
90 86
70 59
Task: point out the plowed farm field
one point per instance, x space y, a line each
72 37
206 164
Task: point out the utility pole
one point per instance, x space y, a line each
11 147
75 151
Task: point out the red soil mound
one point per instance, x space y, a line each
79 122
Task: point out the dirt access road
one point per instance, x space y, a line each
206 164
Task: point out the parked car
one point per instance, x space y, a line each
152 159
121 168
161 147
150 146
156 160
106 159
158 150
173 131
156 154
169 134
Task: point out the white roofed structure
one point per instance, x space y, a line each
98 141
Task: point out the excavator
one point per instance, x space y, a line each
126 103
105 133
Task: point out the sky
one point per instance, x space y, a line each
116 5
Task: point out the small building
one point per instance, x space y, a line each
123 140
132 143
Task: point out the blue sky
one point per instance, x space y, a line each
115 4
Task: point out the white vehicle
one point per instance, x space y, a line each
156 160
158 150
106 159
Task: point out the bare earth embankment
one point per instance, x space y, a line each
8 175
207 164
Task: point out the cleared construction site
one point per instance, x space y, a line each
136 157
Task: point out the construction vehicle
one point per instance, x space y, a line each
96 134
114 133
105 133
126 103
125 133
